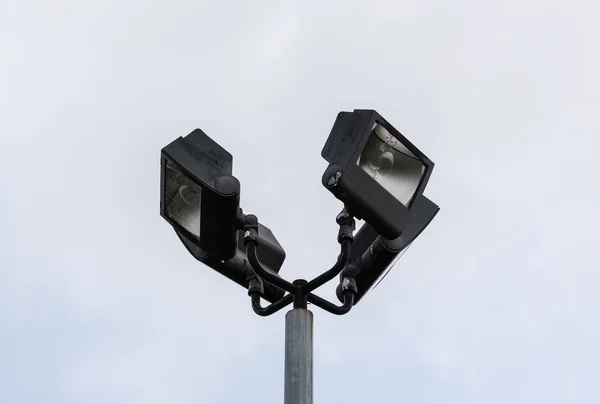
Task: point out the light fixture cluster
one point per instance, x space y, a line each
376 172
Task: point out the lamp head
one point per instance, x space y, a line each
238 268
374 170
199 196
373 256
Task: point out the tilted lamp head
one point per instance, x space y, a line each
199 196
373 256
374 170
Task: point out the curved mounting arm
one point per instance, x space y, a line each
299 291
345 238
334 271
273 307
262 272
332 308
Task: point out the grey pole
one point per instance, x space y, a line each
298 357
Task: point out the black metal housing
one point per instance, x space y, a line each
364 197
373 255
209 165
238 269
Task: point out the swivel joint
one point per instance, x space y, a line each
349 284
250 229
255 286
347 226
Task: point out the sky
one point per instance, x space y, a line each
495 302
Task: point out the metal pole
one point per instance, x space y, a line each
298 357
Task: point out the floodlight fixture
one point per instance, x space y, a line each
199 195
376 171
373 169
373 256
200 199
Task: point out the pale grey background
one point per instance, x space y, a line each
497 302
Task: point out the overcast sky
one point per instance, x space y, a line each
496 302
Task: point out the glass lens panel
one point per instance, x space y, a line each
391 164
182 199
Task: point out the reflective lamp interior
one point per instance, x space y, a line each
182 199
391 164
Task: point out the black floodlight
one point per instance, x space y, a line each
374 170
238 268
199 196
373 256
